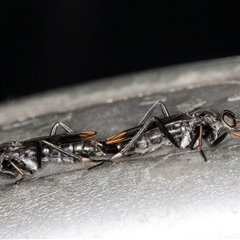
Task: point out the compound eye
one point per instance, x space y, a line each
229 118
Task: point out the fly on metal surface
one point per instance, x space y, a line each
26 157
183 130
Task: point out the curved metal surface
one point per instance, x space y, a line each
166 193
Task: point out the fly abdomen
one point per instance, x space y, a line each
51 154
80 148
84 147
150 141
149 138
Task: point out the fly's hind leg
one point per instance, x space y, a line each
152 109
59 124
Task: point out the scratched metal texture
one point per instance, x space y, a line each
166 193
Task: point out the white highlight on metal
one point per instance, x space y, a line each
234 98
148 101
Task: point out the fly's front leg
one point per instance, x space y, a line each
159 124
200 143
198 136
59 124
152 109
219 139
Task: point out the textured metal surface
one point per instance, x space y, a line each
168 193
118 88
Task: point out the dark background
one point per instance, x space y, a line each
50 44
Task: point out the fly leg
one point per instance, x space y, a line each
219 139
152 109
19 170
216 142
39 153
200 143
198 136
159 124
59 124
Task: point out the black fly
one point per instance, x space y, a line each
27 156
184 130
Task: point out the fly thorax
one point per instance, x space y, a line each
215 127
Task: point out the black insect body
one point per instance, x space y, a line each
27 156
151 138
184 130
